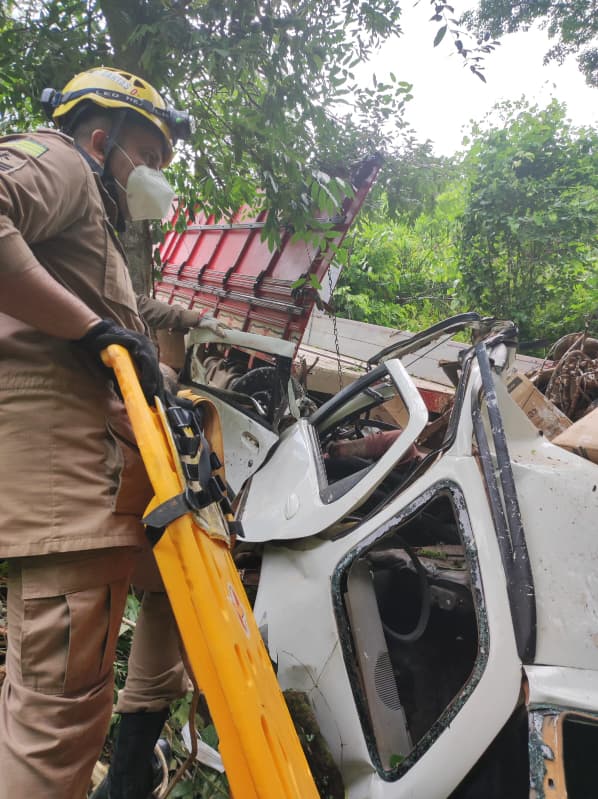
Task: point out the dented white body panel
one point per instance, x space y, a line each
303 640
558 497
483 559
302 505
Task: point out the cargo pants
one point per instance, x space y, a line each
64 616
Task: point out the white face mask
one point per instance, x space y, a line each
149 195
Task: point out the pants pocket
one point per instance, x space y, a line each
95 617
69 621
114 464
135 490
125 466
44 644
68 642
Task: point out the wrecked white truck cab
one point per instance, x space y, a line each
432 589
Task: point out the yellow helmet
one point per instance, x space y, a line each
117 88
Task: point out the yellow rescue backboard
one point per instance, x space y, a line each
258 743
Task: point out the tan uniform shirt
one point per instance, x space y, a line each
61 465
161 316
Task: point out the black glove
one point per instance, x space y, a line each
140 348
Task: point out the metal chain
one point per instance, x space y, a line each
335 328
334 324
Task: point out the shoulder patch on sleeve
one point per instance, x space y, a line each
27 146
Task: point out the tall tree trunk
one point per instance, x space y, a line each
121 22
138 246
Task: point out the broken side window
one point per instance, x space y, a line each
417 636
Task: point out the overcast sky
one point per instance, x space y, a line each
447 95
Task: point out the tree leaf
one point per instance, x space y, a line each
439 35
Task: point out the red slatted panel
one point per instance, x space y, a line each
228 269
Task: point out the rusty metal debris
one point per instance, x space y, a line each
571 380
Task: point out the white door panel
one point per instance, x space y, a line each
290 498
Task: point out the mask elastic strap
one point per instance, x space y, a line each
125 153
129 159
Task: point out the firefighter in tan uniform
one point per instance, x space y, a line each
72 485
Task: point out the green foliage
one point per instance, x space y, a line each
529 243
123 645
401 259
573 26
411 181
279 116
271 87
512 233
472 54
403 274
403 266
200 781
312 279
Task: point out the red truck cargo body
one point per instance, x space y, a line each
227 268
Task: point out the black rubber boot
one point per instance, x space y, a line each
131 774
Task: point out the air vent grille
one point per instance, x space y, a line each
384 680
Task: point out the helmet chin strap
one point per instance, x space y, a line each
109 183
119 119
108 180
94 165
